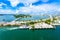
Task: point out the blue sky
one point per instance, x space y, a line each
29 6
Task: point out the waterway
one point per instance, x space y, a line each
9 33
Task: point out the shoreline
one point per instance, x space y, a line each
39 24
36 25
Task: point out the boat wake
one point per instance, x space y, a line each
13 28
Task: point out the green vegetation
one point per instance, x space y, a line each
30 24
1 25
54 19
8 25
22 15
48 21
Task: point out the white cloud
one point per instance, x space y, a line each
45 8
14 2
25 2
7 11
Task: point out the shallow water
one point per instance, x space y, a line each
10 17
6 17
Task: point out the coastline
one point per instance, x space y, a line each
44 23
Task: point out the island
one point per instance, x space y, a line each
27 21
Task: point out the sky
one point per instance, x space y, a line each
29 6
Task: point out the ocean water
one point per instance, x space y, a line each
26 34
14 33
6 17
10 17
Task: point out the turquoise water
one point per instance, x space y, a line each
36 17
25 34
6 17
10 17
